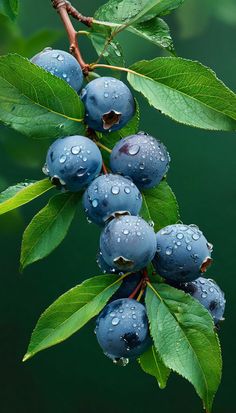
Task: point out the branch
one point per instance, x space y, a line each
64 8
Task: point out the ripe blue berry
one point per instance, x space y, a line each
122 329
183 253
142 158
128 243
109 196
209 294
109 104
73 162
60 64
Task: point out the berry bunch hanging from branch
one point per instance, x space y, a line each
152 301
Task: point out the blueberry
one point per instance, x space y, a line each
209 294
109 104
60 64
128 243
183 253
111 195
73 162
104 267
122 329
142 158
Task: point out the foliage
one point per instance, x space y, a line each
40 105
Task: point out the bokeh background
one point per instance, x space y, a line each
75 377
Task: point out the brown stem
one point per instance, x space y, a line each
136 290
104 168
64 8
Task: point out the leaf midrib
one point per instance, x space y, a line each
184 334
10 200
41 106
132 72
46 229
71 316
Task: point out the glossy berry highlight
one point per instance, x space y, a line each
128 243
73 162
62 65
109 104
122 329
110 196
141 157
183 253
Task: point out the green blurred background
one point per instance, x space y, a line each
75 377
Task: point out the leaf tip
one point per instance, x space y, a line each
26 357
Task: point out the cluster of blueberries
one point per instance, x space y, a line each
128 244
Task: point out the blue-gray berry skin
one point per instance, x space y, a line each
183 253
209 294
111 195
73 162
142 158
62 65
128 243
104 267
109 104
122 329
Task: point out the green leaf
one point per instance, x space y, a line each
127 12
22 193
184 335
156 31
9 8
160 206
48 228
72 311
37 103
187 91
152 364
101 38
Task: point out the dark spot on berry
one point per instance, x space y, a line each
124 149
51 156
131 339
213 305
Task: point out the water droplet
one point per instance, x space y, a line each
106 95
203 295
129 165
115 321
118 239
202 282
134 317
211 289
142 166
195 237
127 190
85 159
62 159
64 75
75 150
189 248
45 169
95 203
179 235
115 190
138 234
81 172
134 149
169 251
125 231
112 314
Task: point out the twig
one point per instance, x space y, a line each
64 8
